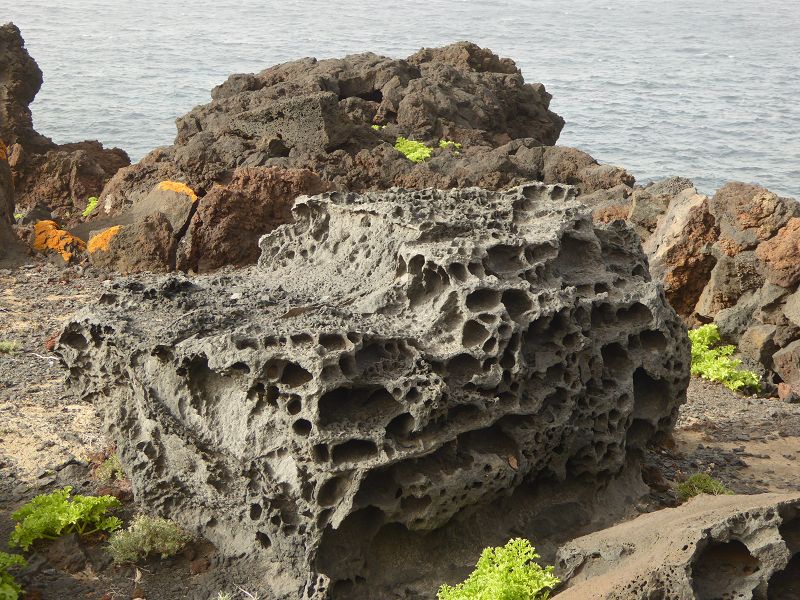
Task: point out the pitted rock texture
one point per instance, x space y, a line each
395 360
61 176
7 237
714 547
319 115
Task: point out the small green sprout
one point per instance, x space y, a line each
9 588
505 573
712 360
701 483
18 216
90 206
49 516
110 468
414 151
449 144
146 536
8 347
378 127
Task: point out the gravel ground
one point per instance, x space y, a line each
751 444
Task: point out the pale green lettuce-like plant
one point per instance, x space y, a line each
414 151
9 588
713 361
90 206
505 573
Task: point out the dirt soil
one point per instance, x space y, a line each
47 436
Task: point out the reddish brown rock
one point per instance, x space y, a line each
749 214
679 250
781 255
61 176
147 245
231 218
787 364
787 394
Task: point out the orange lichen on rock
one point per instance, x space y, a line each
177 186
102 239
3 151
49 238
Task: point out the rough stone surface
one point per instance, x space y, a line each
7 238
319 115
780 255
679 250
61 176
712 547
394 359
231 218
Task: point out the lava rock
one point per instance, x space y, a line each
396 360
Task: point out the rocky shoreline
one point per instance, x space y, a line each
347 369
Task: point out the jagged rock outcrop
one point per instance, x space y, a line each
396 362
62 177
7 238
340 118
712 547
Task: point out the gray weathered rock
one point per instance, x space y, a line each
395 361
713 547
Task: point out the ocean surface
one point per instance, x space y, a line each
708 89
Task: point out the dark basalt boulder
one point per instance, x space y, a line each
63 177
410 374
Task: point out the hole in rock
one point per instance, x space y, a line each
356 404
724 570
332 491
302 427
294 406
785 584
615 359
653 341
504 259
649 395
332 341
354 451
483 299
400 427
517 303
294 375
636 314
463 366
320 452
255 511
263 539
74 339
474 334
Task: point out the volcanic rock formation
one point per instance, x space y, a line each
62 177
340 118
395 362
7 238
713 547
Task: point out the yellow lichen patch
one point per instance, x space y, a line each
177 186
102 239
49 238
3 151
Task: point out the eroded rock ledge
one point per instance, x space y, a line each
394 359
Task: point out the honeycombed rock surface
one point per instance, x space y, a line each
396 361
61 177
713 547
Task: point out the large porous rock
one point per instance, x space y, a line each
61 176
713 547
396 365
231 218
340 118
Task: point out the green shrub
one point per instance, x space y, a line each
49 516
449 144
713 361
8 347
505 573
9 588
414 151
109 469
146 536
701 483
91 204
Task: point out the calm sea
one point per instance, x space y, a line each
709 89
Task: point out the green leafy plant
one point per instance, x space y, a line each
18 216
701 483
8 347
713 361
146 536
109 469
49 516
378 127
449 144
414 151
91 204
505 573
9 588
